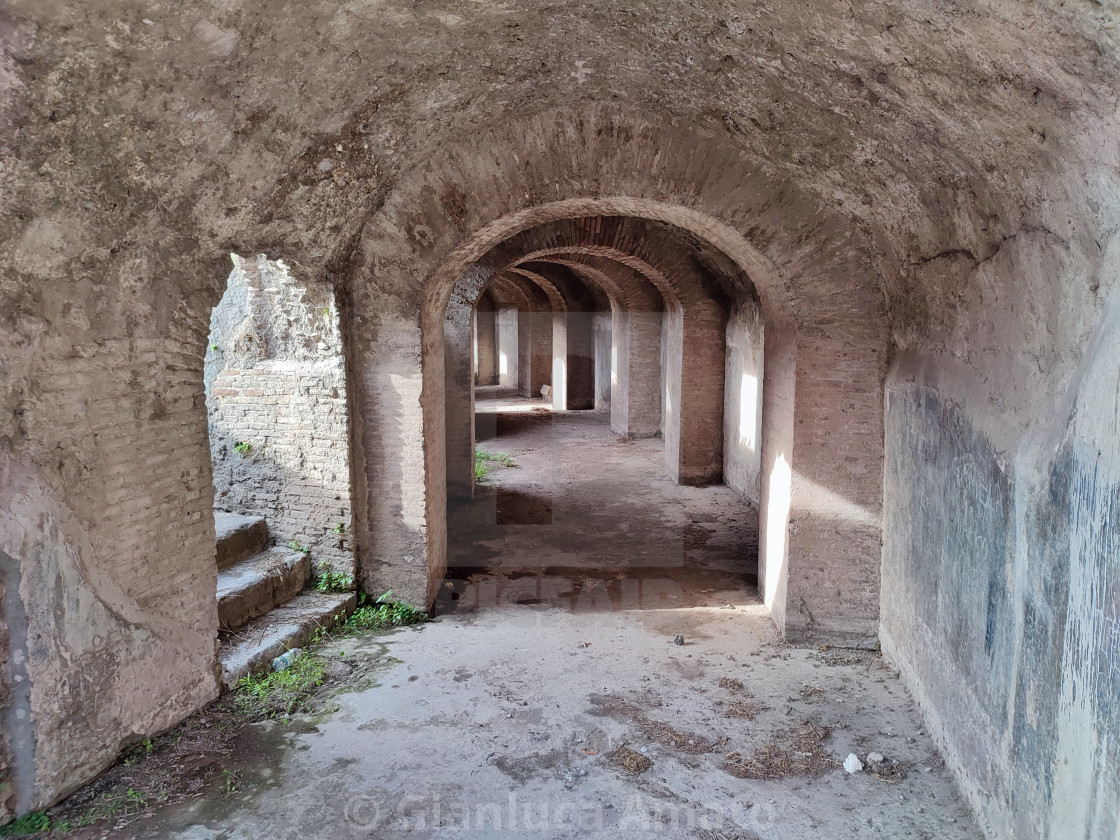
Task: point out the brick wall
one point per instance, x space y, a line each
276 383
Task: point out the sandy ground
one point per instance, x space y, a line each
550 700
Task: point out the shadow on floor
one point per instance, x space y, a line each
588 521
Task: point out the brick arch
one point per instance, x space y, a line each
816 280
690 415
634 288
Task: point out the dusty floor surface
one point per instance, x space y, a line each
575 714
590 521
509 720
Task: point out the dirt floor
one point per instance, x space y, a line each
588 520
550 698
541 721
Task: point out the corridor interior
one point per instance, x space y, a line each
586 519
694 419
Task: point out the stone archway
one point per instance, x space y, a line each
825 345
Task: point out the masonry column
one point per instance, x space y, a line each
486 340
508 350
459 397
701 397
400 530
525 353
636 372
560 361
540 335
692 421
835 534
581 361
602 323
742 409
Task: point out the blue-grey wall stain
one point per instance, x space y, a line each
950 510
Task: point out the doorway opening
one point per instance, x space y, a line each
279 448
603 422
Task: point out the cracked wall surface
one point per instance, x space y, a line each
932 189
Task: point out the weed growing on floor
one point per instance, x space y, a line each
328 581
383 613
296 545
485 462
150 774
242 447
28 824
230 779
280 693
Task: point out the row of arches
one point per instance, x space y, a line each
703 230
618 312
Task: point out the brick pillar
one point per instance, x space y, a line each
833 583
540 334
693 408
525 353
742 410
560 360
400 528
702 383
581 361
459 399
602 328
636 369
508 350
486 342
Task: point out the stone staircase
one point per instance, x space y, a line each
263 606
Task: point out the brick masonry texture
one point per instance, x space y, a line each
278 385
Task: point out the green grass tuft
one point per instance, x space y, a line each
273 694
485 462
27 824
280 693
328 581
383 613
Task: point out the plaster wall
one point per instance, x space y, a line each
1001 559
742 408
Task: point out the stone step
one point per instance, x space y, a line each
253 647
252 587
238 537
